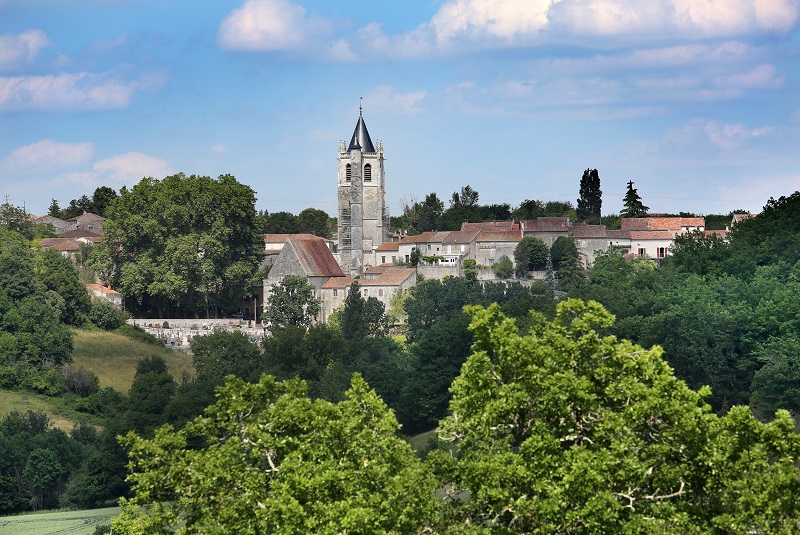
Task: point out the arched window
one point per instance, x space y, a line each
348 172
368 173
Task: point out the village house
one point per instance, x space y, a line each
490 246
380 282
100 292
652 236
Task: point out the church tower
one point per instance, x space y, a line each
363 216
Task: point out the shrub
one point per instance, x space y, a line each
137 333
504 267
105 316
79 380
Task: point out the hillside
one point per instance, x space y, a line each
113 357
110 356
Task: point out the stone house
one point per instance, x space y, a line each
382 283
113 297
491 245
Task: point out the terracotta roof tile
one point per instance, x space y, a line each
462 237
283 238
102 289
389 246
500 236
489 226
315 258
588 231
546 224
337 283
391 276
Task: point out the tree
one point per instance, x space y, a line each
632 202
102 198
59 275
184 245
362 318
267 459
16 219
564 430
220 353
282 223
504 267
590 200
150 393
530 254
468 198
313 221
429 212
292 303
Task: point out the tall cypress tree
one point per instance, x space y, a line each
590 200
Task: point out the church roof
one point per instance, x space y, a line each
361 139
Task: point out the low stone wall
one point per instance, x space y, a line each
178 333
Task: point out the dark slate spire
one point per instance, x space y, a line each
361 139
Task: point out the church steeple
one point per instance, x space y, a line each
361 139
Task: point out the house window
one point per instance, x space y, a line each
383 260
380 292
662 252
641 251
348 172
368 173
366 291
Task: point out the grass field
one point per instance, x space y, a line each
57 523
113 358
23 402
110 356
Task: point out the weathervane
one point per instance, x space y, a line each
359 105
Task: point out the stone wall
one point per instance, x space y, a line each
178 333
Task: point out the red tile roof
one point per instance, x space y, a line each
588 231
283 238
389 246
546 224
462 237
489 226
102 289
500 236
315 258
338 283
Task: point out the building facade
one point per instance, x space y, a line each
362 212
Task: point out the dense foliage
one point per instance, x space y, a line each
181 245
565 430
590 201
267 459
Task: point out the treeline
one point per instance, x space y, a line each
552 428
725 312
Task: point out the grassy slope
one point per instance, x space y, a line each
63 522
112 357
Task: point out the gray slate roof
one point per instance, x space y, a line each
361 137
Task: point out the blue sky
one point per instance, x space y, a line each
695 101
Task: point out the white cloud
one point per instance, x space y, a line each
502 19
687 18
760 77
460 25
71 91
219 148
726 136
19 49
270 25
49 153
386 99
131 167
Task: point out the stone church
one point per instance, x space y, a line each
362 212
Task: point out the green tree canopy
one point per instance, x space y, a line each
362 318
184 245
314 221
564 430
291 303
632 203
591 197
267 459
530 254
